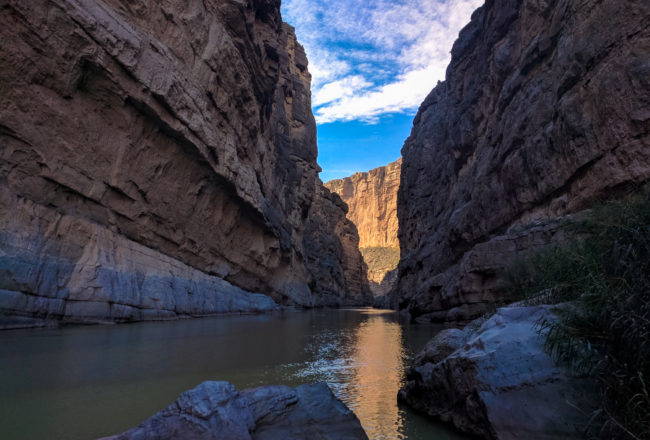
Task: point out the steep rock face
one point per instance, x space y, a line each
218 410
332 252
494 380
372 201
142 135
544 110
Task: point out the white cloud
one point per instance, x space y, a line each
372 58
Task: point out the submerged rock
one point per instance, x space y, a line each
217 410
493 379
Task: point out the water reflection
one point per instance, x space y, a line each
379 364
88 382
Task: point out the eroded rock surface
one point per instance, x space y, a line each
372 201
153 156
334 258
217 410
494 380
545 109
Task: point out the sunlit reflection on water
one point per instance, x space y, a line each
378 367
88 382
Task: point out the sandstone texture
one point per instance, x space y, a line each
158 159
494 380
372 201
545 109
217 410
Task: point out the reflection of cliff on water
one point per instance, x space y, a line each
378 359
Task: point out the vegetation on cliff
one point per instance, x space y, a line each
603 269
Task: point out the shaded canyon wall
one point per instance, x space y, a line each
544 111
158 159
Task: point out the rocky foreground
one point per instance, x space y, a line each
493 379
544 111
158 160
217 410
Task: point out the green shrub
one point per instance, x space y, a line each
603 269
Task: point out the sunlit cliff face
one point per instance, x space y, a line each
378 361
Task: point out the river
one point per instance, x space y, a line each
85 382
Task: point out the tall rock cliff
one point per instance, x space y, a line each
545 109
157 159
372 201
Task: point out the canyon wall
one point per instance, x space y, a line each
158 159
372 201
545 110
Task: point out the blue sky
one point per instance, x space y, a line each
373 62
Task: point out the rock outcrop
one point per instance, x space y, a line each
333 255
544 110
157 160
216 410
494 380
372 201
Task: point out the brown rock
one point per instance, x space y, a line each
372 201
138 135
543 112
333 257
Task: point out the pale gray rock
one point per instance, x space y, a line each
493 379
217 410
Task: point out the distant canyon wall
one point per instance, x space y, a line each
372 202
544 111
158 159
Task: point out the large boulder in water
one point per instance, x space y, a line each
494 380
217 410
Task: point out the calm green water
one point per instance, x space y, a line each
86 382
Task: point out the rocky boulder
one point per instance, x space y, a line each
494 380
217 410
544 111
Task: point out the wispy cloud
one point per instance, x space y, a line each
369 58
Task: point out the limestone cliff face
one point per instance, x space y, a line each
332 251
372 201
544 110
156 159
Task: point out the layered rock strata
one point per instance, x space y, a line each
372 201
494 380
544 111
217 410
157 159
